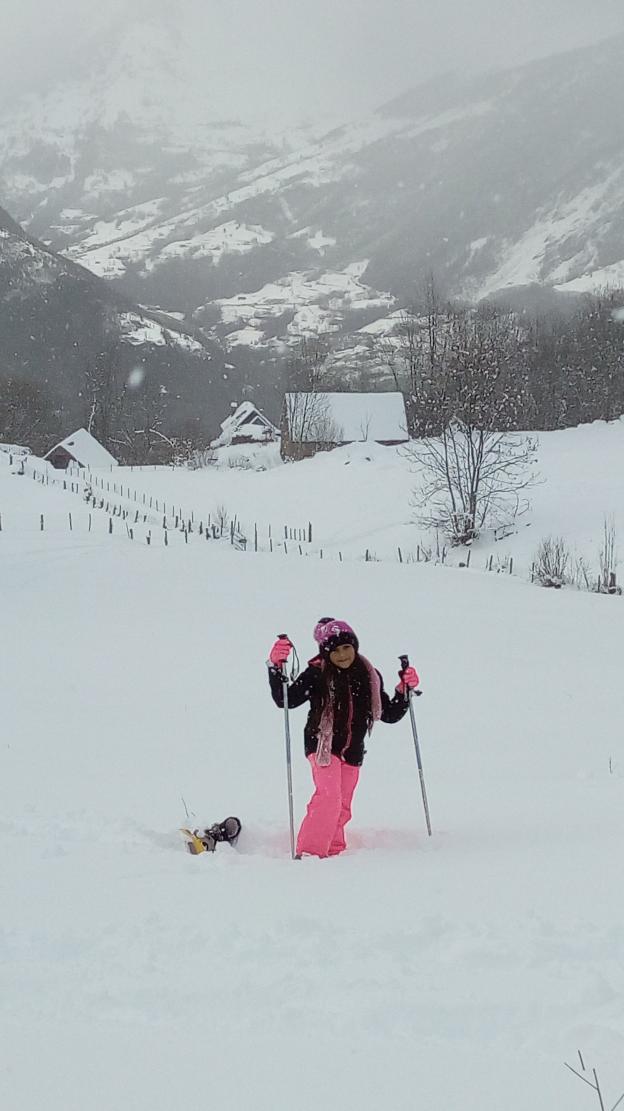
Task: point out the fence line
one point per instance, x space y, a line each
168 519
156 516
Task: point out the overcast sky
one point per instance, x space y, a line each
298 58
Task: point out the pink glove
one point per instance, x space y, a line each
409 680
280 652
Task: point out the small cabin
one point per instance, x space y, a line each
81 449
246 425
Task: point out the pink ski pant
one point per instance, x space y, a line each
329 809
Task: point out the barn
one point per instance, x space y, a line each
313 422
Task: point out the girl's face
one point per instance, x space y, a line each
342 656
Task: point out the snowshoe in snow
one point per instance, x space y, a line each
206 840
230 829
194 844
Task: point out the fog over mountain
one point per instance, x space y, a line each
287 60
249 235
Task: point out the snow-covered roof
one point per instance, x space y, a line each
85 449
354 416
248 420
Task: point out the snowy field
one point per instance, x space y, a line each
455 973
358 499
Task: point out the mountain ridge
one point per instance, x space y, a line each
493 182
61 325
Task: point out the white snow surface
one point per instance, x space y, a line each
608 277
453 972
137 329
317 300
229 238
525 261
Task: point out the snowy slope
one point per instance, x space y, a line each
456 972
579 483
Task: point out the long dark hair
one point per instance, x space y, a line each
342 684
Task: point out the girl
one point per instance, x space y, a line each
346 697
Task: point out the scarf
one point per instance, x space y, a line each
339 691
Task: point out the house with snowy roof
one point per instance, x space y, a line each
313 422
246 425
82 449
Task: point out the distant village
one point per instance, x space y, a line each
311 422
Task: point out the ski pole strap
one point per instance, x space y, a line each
294 669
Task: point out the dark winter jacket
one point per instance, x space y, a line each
348 737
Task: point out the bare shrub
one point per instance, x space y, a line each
240 463
221 518
608 560
423 554
552 562
603 579
197 459
582 574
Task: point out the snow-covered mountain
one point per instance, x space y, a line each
58 321
492 182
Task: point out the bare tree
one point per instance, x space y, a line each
419 344
27 414
471 479
141 430
468 390
103 395
307 368
307 415
308 420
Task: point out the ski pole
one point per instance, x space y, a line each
409 697
288 756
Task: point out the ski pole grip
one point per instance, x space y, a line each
284 636
404 661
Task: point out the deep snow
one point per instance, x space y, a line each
456 972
